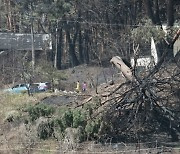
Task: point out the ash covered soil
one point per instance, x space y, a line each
97 78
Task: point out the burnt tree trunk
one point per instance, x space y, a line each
71 42
170 12
59 50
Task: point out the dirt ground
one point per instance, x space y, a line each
97 78
66 95
92 75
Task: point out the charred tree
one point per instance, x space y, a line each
144 106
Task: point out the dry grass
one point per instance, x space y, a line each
21 139
46 147
11 102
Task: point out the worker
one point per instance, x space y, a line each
78 87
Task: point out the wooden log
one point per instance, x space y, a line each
118 62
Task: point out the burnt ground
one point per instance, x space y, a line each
94 76
102 77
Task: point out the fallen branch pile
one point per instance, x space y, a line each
145 106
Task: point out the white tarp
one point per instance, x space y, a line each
154 51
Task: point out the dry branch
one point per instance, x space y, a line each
146 106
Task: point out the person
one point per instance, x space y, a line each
78 86
84 86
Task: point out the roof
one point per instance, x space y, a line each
23 41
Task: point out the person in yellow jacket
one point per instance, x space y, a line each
78 86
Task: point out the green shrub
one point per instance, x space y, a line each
88 109
45 129
75 135
58 125
62 110
92 128
79 118
40 110
67 119
58 128
81 134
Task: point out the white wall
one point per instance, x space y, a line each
142 62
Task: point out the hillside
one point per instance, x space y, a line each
20 131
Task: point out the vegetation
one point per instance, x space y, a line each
75 118
48 121
39 110
84 32
98 31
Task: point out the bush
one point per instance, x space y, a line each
58 129
62 110
40 110
89 110
81 134
12 116
45 129
79 119
59 124
67 119
75 135
92 128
